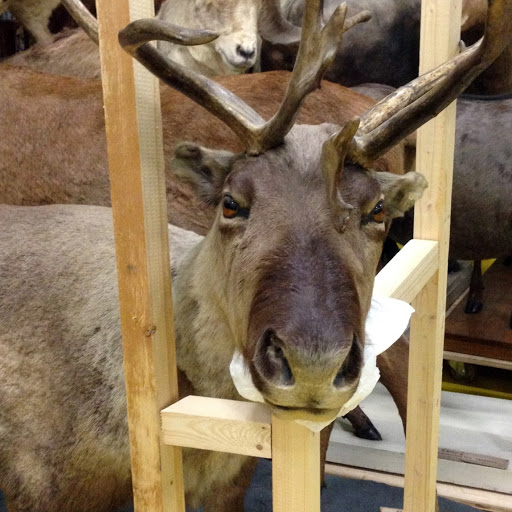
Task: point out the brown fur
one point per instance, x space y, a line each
53 147
482 177
71 53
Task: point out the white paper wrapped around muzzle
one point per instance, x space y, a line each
387 320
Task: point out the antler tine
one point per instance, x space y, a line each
333 157
317 49
409 107
85 20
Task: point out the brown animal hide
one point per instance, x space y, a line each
53 147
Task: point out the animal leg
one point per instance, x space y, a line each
453 266
394 366
325 435
362 425
389 250
474 303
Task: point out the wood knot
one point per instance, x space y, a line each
150 331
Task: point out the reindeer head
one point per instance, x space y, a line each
290 261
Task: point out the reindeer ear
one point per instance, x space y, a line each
205 169
400 192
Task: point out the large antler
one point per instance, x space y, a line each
402 112
317 48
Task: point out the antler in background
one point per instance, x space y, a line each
317 49
402 112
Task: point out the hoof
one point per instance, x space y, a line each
369 432
453 266
473 306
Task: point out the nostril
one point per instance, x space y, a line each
351 367
273 363
246 54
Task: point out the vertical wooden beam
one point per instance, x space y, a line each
295 467
132 113
440 33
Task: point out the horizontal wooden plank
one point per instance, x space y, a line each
482 361
409 271
219 425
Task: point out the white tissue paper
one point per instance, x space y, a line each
387 320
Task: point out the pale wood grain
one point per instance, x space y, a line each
295 467
483 361
132 113
408 272
440 27
220 425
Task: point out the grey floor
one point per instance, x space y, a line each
339 495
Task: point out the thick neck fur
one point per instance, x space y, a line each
205 343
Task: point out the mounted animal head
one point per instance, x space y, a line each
286 272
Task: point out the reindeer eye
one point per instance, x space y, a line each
379 212
230 208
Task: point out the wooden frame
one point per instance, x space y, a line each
134 137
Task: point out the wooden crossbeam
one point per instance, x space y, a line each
409 271
245 428
219 425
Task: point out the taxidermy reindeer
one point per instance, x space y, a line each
299 222
43 173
